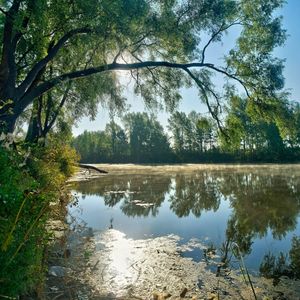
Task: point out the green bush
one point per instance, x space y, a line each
27 186
295 256
274 267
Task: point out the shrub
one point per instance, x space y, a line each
295 256
26 189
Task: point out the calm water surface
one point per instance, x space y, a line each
259 208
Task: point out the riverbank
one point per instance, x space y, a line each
107 265
119 169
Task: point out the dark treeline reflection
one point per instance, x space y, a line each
195 193
138 195
259 202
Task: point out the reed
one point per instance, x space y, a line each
243 268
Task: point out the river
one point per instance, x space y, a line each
203 207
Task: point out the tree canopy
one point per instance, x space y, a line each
192 138
46 45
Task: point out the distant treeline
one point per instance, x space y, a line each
195 138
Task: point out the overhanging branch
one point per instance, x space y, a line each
48 85
24 86
222 28
231 76
210 109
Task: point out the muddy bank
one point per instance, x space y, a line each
154 268
108 265
84 175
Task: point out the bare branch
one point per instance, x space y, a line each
230 76
118 55
211 111
151 72
3 11
214 35
183 13
91 57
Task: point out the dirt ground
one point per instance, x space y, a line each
108 265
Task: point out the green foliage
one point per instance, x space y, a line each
295 256
193 139
100 34
274 267
142 140
30 180
192 133
93 146
147 140
269 136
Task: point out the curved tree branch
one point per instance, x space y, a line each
48 85
230 76
210 109
3 11
214 35
25 85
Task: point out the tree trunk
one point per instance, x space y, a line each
90 167
34 131
8 123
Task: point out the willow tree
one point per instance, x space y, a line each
48 45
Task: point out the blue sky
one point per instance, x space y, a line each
190 101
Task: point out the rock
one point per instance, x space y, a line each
67 253
161 296
57 271
212 296
166 295
155 296
183 292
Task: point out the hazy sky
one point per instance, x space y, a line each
190 101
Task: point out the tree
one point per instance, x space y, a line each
205 133
192 133
180 127
93 146
253 135
147 140
47 44
118 141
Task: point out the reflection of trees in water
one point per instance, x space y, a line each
149 194
234 235
259 202
195 193
263 202
139 195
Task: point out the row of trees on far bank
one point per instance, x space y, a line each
194 138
